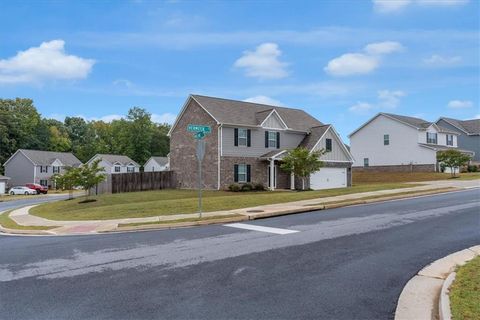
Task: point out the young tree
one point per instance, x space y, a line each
90 176
68 180
453 159
302 162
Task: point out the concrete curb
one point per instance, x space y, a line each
249 216
421 298
444 303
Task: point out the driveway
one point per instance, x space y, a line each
346 263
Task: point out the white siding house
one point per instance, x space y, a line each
155 164
114 164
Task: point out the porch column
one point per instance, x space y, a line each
272 174
292 181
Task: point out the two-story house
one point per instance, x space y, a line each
468 134
114 163
248 142
36 166
391 142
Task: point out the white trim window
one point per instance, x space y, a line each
130 168
116 168
56 169
366 162
272 139
431 138
386 139
242 173
242 137
449 139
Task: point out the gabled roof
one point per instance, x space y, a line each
46 158
160 160
312 138
115 158
236 112
470 127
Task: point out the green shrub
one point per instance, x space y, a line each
234 187
472 168
259 187
247 187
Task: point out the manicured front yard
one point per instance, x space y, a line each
7 222
465 292
390 177
168 202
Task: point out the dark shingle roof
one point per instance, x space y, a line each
46 158
416 122
470 126
112 158
437 147
252 114
312 138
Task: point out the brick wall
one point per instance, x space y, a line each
182 150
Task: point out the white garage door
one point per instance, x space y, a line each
328 178
2 187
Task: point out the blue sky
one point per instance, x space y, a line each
341 61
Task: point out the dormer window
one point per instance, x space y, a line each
116 168
130 168
431 138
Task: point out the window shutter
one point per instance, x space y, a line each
266 139
235 143
248 173
235 173
249 138
278 140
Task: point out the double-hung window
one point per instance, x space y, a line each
43 169
365 162
431 138
328 145
117 168
386 139
449 139
56 169
242 137
130 169
272 139
242 173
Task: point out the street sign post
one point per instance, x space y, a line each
200 131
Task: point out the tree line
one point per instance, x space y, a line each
23 127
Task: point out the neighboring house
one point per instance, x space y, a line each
155 164
248 142
469 133
114 164
390 142
36 166
3 184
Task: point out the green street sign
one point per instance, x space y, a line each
199 135
199 128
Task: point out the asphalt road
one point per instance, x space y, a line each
346 263
29 200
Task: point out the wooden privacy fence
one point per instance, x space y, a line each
140 181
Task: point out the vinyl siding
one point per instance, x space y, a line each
273 122
20 170
153 166
288 140
403 148
337 153
465 142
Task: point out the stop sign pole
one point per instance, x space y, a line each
199 134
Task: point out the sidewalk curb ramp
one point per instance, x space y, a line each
425 296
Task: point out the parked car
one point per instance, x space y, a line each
39 188
22 190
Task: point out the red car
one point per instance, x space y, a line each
37 187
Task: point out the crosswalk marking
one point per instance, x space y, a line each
260 228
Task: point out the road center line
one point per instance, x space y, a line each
260 228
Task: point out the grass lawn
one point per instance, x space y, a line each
465 292
390 177
8 223
167 202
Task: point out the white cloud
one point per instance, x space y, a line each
386 99
46 62
441 61
362 63
164 118
263 100
263 63
123 83
460 104
477 116
389 6
385 47
386 6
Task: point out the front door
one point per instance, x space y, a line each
274 177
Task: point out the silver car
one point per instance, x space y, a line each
22 190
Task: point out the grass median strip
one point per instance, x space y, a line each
9 223
389 177
465 292
179 220
169 202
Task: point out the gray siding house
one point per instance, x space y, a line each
115 163
248 142
36 166
469 134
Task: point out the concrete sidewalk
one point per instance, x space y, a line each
22 217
